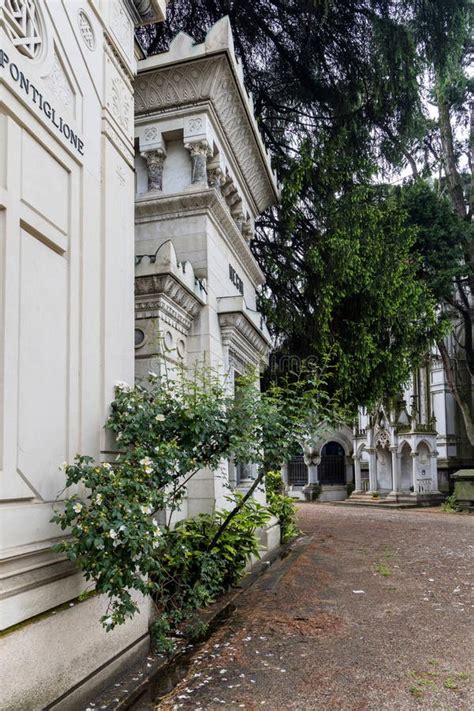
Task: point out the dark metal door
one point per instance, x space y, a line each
297 471
332 469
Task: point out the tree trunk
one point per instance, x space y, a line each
465 407
453 177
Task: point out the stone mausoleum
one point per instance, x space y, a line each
403 453
127 207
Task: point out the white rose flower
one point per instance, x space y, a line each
108 621
122 527
98 499
120 385
112 534
160 417
107 466
77 507
63 467
147 464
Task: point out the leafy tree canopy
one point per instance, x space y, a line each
344 91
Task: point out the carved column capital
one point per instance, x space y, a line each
199 151
155 160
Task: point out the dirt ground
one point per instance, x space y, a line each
371 610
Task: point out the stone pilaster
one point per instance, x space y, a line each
155 161
372 470
395 473
199 152
357 475
414 456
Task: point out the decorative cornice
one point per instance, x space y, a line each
149 290
165 206
215 78
241 336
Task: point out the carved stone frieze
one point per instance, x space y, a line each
211 79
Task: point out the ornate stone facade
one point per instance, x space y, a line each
202 200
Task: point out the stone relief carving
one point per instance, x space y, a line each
121 103
85 28
122 27
195 125
23 26
59 85
382 438
151 134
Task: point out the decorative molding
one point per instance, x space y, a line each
211 79
168 206
241 336
180 305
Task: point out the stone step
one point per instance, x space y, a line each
377 503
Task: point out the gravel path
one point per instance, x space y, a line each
371 610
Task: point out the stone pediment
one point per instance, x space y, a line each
190 75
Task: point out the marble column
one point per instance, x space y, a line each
312 488
434 473
313 474
414 456
199 153
155 161
372 470
357 475
395 472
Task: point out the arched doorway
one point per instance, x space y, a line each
332 469
297 470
